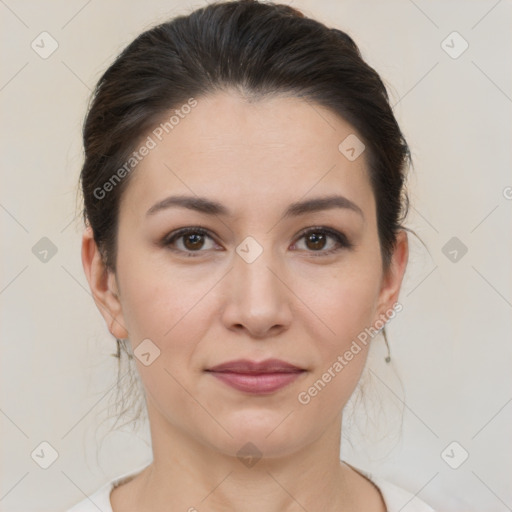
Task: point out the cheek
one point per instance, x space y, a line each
344 301
172 315
156 298
347 307
172 308
351 307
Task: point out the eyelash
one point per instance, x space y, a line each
340 238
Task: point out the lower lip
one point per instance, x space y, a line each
259 384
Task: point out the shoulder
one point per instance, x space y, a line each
395 498
100 499
398 499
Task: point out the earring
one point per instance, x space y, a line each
388 357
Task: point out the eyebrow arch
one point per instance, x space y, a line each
321 203
204 205
199 204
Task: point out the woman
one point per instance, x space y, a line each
243 196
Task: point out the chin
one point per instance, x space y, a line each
268 434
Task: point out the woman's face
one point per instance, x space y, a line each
274 273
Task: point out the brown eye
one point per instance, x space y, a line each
189 240
324 241
193 241
316 240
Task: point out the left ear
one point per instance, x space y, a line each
392 278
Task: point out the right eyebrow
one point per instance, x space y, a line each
199 204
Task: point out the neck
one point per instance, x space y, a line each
188 475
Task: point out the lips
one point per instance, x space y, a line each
252 367
256 377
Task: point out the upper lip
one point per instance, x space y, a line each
247 366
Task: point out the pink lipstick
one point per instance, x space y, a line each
257 378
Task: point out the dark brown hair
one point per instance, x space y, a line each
258 49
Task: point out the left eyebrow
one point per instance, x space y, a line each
322 203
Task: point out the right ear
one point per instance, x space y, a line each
103 286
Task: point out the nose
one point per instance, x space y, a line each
257 298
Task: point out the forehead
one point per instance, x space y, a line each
271 151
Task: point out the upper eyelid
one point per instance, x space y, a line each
179 233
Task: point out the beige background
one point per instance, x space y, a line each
451 343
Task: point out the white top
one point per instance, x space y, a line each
395 498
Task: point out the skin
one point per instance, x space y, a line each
294 302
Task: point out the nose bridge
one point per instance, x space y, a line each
252 272
256 277
258 298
